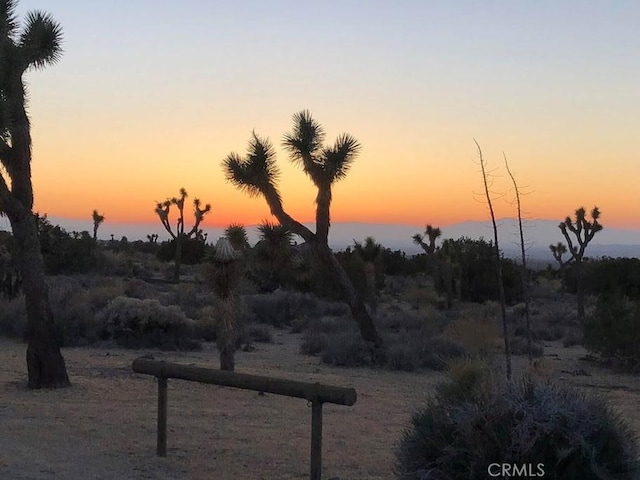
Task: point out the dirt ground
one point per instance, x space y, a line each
104 426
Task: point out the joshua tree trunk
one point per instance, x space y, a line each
45 364
434 265
370 278
227 334
580 289
223 277
358 310
447 278
177 258
356 305
323 221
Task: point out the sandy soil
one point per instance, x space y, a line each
103 427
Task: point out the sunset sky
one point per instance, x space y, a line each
150 96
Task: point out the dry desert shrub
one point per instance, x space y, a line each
135 323
13 317
419 297
475 420
283 308
479 336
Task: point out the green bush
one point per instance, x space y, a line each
613 330
77 325
258 334
313 343
429 351
519 346
65 252
135 323
338 342
193 251
346 350
284 308
468 379
395 319
475 420
419 349
573 336
13 317
474 271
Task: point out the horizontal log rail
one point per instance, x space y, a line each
315 393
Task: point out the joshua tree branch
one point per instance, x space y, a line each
5 194
5 150
270 192
573 251
162 209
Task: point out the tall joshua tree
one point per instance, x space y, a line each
97 221
179 236
257 174
369 252
34 46
224 277
583 230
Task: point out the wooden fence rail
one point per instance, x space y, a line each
315 393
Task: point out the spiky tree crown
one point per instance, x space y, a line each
224 251
35 45
323 164
97 218
257 173
224 272
369 251
163 209
582 229
237 235
432 233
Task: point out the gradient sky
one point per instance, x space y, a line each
150 96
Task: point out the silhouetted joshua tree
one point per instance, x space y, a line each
583 230
153 238
558 250
257 174
432 234
163 209
34 46
97 220
369 252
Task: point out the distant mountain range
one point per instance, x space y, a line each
539 234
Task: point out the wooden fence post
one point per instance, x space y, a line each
315 393
316 440
161 449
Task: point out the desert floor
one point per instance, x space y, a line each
104 426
